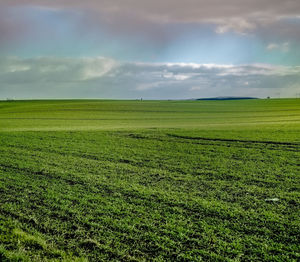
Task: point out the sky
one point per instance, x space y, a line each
128 49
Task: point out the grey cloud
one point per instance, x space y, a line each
51 77
49 69
143 29
12 28
239 15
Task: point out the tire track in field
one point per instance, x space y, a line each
277 145
126 162
272 145
132 196
197 210
235 140
41 173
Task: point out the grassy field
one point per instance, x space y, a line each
98 180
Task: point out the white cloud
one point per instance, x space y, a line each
51 77
272 46
179 77
284 47
240 25
194 65
95 68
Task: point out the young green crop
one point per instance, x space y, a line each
139 181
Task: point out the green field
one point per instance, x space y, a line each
93 180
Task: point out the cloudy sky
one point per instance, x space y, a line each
158 49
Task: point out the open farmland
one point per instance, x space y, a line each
92 180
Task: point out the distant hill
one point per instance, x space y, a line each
227 98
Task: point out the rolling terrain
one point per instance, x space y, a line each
100 180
